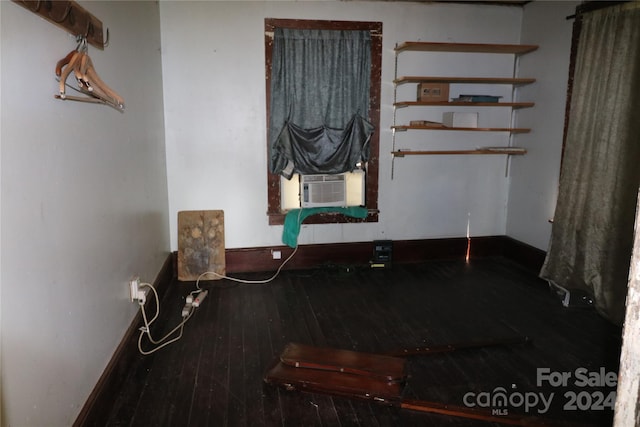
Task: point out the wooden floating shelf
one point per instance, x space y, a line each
465 47
510 130
507 151
474 80
402 104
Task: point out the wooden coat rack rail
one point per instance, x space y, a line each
71 16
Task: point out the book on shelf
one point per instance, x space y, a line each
425 123
476 98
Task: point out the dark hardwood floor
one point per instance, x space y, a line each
213 376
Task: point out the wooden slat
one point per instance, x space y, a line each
236 413
203 387
472 80
381 367
510 130
456 152
465 47
464 104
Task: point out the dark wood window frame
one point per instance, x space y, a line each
274 211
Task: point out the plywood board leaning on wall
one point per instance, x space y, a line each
201 244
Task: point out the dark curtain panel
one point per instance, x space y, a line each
319 96
592 234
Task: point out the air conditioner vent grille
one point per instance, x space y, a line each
323 190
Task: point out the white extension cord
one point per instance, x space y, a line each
251 282
194 300
246 282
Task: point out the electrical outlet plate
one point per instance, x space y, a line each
134 286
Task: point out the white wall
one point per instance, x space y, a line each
214 88
534 177
84 206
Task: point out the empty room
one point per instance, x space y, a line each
337 213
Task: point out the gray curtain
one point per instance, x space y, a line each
592 233
319 98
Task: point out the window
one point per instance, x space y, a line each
276 210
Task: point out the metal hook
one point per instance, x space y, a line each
106 42
82 43
82 39
66 14
90 29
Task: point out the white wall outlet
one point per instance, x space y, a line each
276 254
134 287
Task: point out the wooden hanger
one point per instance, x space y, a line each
89 82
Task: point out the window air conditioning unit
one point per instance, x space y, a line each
323 190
